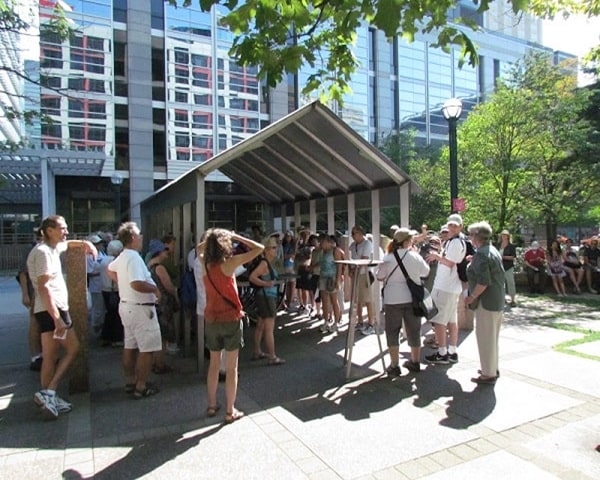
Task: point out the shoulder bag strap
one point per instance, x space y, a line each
219 292
401 265
385 282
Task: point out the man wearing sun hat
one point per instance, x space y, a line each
447 288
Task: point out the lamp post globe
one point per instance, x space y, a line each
451 110
117 179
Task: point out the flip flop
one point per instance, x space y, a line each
481 380
276 361
231 417
260 356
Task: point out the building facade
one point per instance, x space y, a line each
150 90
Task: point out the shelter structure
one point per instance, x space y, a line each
310 165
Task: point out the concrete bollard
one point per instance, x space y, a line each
465 315
79 374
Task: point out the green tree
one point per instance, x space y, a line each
527 149
280 37
495 142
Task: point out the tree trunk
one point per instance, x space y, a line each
551 228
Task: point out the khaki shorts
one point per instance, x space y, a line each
447 304
140 327
224 335
364 289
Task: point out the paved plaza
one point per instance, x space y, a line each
306 421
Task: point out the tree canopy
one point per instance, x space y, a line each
280 37
527 151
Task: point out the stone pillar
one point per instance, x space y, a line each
79 374
465 315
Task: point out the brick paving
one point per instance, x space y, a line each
306 421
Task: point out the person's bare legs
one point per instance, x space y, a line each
269 337
231 380
128 361
440 334
326 304
52 373
337 313
394 355
370 313
34 336
158 358
359 313
258 336
415 354
143 365
452 333
212 378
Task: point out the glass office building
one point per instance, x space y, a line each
150 89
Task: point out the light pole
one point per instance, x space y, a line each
451 110
117 179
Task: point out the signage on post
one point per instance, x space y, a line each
458 204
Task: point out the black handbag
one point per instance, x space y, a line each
423 304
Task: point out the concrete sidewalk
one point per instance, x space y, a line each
305 421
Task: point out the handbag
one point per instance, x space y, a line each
423 304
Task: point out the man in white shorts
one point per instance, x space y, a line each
139 295
447 288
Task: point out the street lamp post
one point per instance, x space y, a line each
451 110
117 179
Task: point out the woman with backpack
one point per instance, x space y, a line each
264 278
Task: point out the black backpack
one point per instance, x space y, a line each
461 267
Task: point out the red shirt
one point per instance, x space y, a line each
535 257
222 300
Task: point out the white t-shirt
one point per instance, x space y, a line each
360 250
200 290
446 278
130 267
396 290
45 260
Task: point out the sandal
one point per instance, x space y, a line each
160 369
212 411
146 392
258 356
481 380
233 416
276 361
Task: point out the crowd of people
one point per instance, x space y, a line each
562 261
135 296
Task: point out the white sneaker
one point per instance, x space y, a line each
47 403
368 330
62 405
332 327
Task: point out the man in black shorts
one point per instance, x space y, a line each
51 311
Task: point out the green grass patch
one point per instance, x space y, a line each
565 347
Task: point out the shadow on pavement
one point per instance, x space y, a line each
146 457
